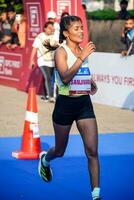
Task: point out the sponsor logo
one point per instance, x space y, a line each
63 6
9 64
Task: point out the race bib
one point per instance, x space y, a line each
81 82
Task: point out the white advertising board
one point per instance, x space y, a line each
114 76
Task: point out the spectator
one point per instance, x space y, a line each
11 19
19 27
84 7
123 13
1 33
44 45
6 36
11 15
127 37
51 16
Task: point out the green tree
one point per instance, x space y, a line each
17 4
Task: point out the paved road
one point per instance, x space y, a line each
13 108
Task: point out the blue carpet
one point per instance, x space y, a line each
19 179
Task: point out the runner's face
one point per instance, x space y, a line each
75 32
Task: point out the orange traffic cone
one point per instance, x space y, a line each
30 147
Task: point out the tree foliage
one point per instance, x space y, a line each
106 14
17 4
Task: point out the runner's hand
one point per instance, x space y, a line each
87 50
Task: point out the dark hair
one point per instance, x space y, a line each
64 14
84 6
3 10
129 18
124 2
65 23
48 23
10 9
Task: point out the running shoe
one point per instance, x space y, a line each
52 99
44 172
45 98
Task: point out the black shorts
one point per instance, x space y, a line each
68 109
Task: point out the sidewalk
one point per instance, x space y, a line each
13 107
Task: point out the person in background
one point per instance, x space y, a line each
123 13
127 37
44 46
51 16
84 7
1 33
6 35
9 37
19 27
73 102
11 13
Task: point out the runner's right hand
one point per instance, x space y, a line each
87 50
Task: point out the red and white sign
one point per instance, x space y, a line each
63 6
34 19
10 64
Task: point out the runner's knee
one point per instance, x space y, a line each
91 152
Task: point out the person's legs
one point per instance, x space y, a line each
51 84
47 71
89 134
52 80
61 140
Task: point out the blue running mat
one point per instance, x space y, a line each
19 179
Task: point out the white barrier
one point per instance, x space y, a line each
114 76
